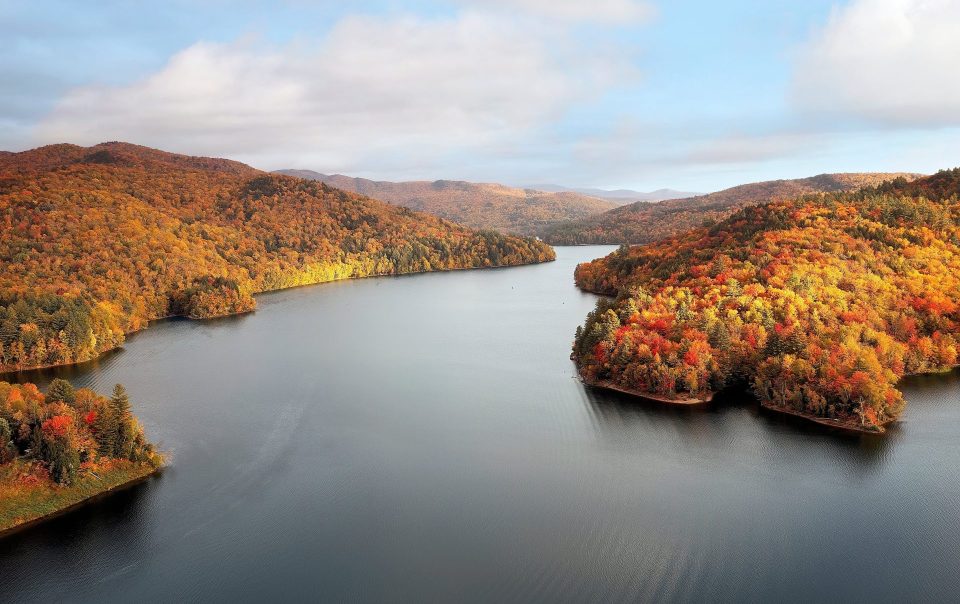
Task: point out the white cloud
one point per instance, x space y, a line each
890 61
744 149
601 11
372 90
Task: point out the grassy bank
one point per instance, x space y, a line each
26 495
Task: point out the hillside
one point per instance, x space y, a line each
819 304
477 205
97 241
647 222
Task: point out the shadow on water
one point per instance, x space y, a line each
619 413
116 516
42 377
931 382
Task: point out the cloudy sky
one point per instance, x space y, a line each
689 94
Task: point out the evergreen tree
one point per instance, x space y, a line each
120 402
126 430
7 449
61 391
63 459
105 428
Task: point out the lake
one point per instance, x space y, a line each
424 438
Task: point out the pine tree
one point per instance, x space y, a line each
126 430
61 391
105 428
120 402
7 449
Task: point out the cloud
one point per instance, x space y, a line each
744 149
610 12
888 61
374 89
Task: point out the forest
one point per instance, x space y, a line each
477 205
60 447
818 305
646 222
99 241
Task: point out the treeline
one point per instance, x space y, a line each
819 304
646 222
96 242
66 432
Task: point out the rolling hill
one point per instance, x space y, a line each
477 205
645 222
98 241
818 304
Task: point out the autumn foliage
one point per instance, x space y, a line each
477 205
66 432
819 304
646 222
95 242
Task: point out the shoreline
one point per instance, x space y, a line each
844 425
659 398
27 523
839 424
4 372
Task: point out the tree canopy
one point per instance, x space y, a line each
98 241
820 304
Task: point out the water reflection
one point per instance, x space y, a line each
733 416
426 439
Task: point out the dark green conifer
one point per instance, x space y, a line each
61 391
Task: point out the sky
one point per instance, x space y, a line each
696 95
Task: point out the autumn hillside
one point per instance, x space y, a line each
97 241
645 222
477 205
819 304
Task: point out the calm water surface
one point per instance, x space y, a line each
424 439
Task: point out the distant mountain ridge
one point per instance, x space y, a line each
645 222
618 196
476 205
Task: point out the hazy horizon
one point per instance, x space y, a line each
623 94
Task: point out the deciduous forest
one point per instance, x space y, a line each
101 240
819 304
477 205
646 222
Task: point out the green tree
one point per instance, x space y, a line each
7 449
61 391
120 401
106 428
126 429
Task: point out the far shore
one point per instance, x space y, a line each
266 291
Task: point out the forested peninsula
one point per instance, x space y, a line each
62 447
818 305
98 241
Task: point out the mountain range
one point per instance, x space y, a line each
618 196
643 222
476 205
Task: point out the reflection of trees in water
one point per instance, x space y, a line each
735 419
930 383
79 373
116 519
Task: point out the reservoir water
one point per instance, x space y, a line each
425 439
